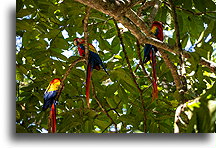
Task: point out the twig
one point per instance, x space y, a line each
175 19
107 114
81 59
126 57
134 2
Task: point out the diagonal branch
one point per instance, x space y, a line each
211 65
125 53
100 105
154 10
113 11
81 59
172 68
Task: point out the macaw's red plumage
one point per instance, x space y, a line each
150 54
94 62
49 101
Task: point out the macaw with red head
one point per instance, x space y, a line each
150 54
94 62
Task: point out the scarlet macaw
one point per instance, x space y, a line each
49 101
94 62
150 53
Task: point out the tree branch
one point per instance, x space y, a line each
100 105
125 53
211 65
172 68
178 44
154 11
132 75
190 11
81 59
113 11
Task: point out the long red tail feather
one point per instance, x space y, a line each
53 118
154 81
88 82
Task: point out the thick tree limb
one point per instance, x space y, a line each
119 15
132 24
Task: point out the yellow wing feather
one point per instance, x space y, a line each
53 87
153 29
92 48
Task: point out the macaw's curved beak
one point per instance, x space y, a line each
75 42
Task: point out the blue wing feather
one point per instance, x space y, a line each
95 60
147 49
49 99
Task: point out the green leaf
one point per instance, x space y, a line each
111 102
110 33
187 4
102 124
20 129
210 4
123 75
200 5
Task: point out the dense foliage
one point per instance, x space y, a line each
45 30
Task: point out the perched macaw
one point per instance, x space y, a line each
49 101
94 62
150 54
